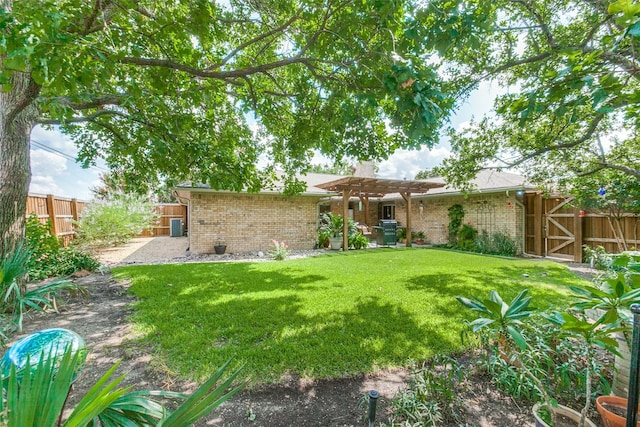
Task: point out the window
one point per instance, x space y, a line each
388 212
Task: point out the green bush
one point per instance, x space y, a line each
467 237
597 257
433 396
47 256
358 241
116 221
498 243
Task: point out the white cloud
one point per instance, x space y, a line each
45 185
47 163
406 164
54 139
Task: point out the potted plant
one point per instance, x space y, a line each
613 410
505 322
333 225
220 247
419 238
402 234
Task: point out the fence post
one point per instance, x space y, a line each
52 213
577 235
74 209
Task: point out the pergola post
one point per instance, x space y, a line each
346 194
407 199
365 206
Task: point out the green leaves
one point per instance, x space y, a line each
503 317
38 399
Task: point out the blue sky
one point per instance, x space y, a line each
55 172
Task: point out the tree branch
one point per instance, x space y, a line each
588 134
82 119
95 102
256 39
541 22
220 75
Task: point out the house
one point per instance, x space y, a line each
249 222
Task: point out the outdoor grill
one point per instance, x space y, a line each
386 232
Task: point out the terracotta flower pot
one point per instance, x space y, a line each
610 416
562 411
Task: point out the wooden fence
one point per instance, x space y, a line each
557 228
59 210
63 211
167 211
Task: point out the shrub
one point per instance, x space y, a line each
40 239
279 251
358 241
116 221
466 237
47 256
498 243
15 298
433 396
597 257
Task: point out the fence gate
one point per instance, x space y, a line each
560 229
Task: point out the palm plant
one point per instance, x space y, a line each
505 321
38 399
15 298
333 224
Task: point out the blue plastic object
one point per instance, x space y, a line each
47 343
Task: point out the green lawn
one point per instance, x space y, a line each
326 316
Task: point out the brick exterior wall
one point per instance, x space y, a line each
490 212
248 222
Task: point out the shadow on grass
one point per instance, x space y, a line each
269 323
293 317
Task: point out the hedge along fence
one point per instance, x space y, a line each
62 211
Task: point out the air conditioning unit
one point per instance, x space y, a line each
177 227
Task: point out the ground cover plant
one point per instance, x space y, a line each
326 316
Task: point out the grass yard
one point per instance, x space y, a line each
326 316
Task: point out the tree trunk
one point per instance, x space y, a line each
18 115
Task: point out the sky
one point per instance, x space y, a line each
54 170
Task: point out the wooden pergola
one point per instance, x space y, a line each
366 188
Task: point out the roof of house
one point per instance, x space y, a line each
486 181
312 180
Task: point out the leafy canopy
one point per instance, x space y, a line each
569 73
204 91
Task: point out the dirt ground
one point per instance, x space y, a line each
101 318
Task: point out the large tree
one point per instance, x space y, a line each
569 72
170 89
